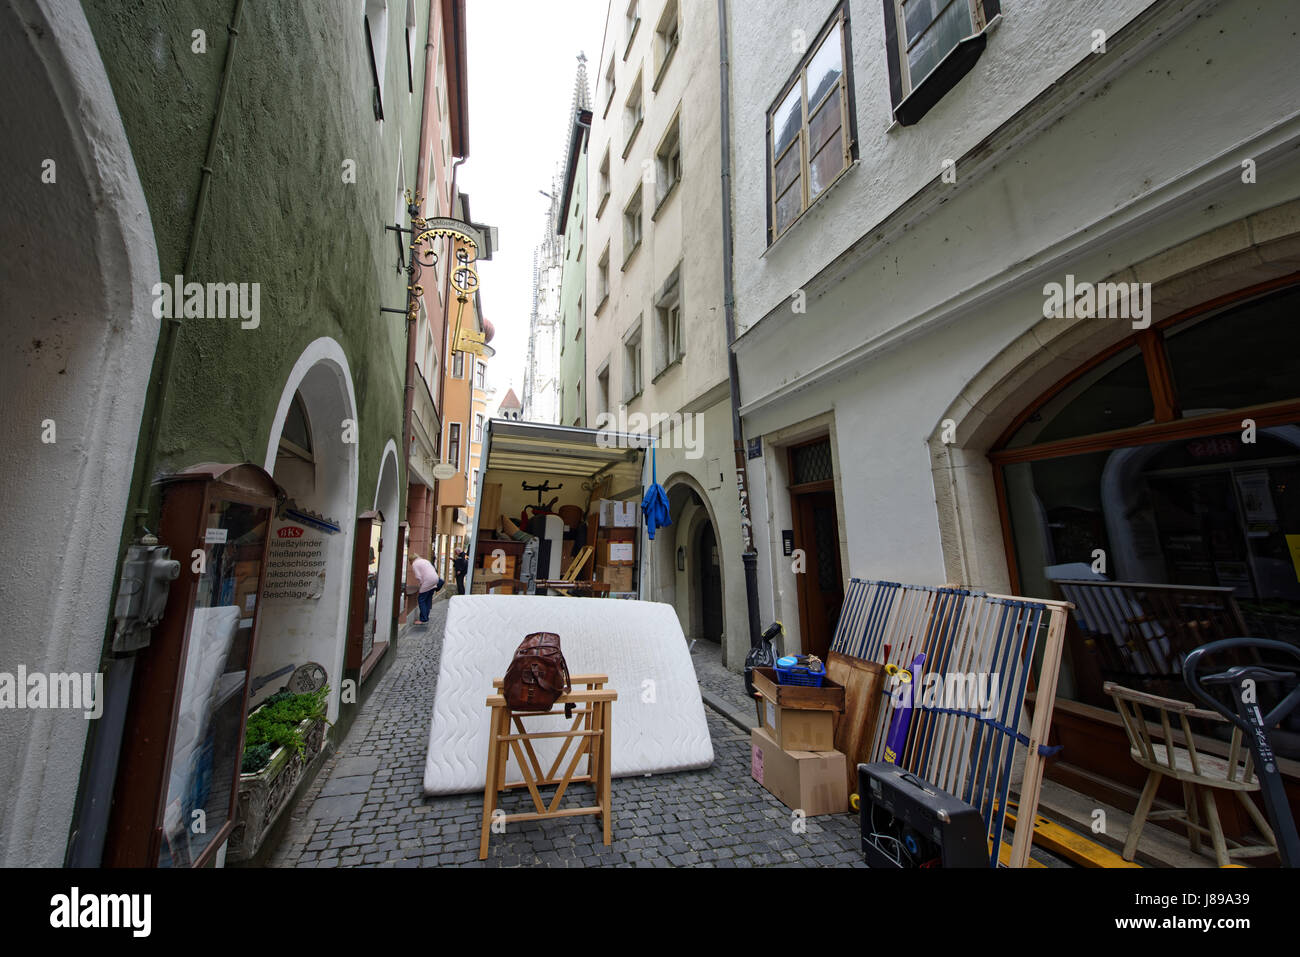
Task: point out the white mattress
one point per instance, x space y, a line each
658 719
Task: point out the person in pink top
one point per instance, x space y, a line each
430 582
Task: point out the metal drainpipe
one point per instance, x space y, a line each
99 767
749 556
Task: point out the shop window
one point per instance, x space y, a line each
1114 395
1196 511
184 730
1226 361
810 138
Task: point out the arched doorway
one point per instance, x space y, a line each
388 560
312 455
78 270
707 582
688 569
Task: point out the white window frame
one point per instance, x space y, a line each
453 445
668 160
799 83
633 223
633 362
667 39
633 113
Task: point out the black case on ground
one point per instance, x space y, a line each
907 822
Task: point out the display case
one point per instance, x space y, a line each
183 740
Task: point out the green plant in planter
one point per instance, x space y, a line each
275 725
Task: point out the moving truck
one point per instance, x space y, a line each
527 466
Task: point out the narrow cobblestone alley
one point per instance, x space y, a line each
367 807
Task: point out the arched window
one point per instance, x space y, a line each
1168 469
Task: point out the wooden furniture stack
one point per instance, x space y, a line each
590 729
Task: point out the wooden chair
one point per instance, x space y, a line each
1201 774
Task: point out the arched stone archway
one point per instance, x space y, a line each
294 631
79 264
691 512
1259 248
388 503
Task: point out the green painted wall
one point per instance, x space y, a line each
573 286
279 213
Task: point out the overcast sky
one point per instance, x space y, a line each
522 60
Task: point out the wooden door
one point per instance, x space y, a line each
821 586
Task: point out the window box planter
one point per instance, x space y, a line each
264 795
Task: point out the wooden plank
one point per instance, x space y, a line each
1033 777
1067 844
855 728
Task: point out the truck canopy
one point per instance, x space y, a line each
571 459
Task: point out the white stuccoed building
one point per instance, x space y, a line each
913 187
655 332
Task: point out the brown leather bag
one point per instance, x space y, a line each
538 674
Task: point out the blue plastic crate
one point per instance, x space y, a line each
790 672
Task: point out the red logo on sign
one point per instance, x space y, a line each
289 531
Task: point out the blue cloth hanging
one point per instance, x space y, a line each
655 504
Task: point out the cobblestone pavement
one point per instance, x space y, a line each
367 806
715 679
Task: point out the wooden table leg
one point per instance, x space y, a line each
605 803
491 781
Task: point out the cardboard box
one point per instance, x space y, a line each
619 577
614 514
798 730
814 782
615 553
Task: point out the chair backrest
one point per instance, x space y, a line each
1145 742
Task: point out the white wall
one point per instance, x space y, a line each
894 333
77 271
